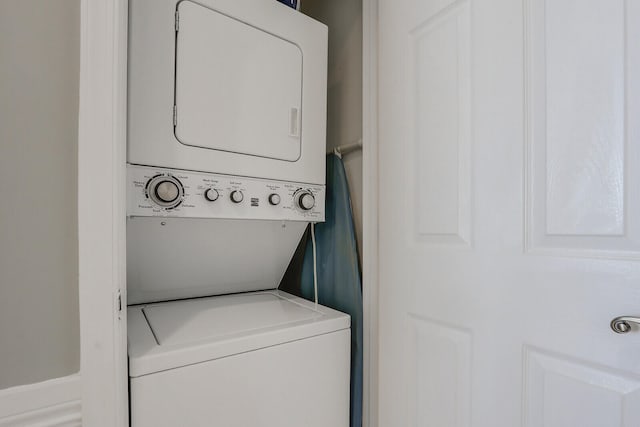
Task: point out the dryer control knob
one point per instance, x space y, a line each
274 199
237 196
306 201
165 191
211 194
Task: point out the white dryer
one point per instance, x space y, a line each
227 86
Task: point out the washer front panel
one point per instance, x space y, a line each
256 196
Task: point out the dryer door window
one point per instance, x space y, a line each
237 87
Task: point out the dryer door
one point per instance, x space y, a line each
237 88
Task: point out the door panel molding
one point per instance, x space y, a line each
438 373
608 396
440 90
581 159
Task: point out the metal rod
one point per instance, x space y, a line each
347 148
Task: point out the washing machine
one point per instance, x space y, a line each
211 341
226 143
254 359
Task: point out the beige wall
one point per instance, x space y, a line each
39 71
344 115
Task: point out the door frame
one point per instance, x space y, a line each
102 212
370 210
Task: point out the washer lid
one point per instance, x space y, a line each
189 321
179 333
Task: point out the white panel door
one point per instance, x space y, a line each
509 140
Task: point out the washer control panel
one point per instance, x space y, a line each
176 193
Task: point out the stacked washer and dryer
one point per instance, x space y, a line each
226 167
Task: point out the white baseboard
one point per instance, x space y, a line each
53 403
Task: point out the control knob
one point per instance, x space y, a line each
237 196
165 190
211 194
305 200
274 199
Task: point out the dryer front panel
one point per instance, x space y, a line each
243 96
229 87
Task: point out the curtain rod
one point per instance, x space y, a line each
341 150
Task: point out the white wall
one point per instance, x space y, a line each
39 71
344 115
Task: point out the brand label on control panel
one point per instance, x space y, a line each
174 193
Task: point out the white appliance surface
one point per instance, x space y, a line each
302 383
174 334
205 195
226 153
177 258
217 86
228 87
194 320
